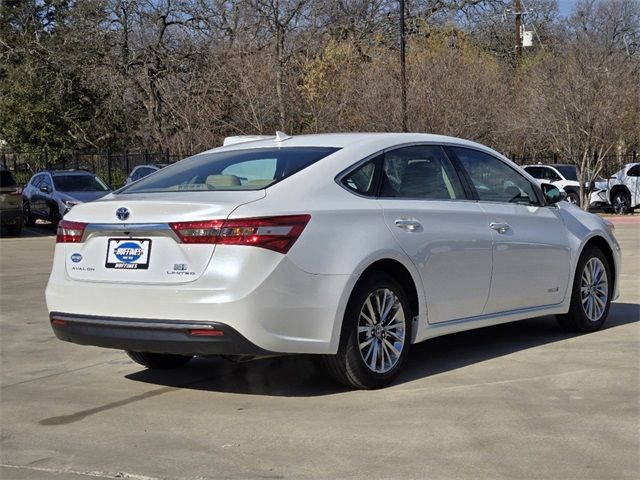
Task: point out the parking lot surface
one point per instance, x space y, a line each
516 401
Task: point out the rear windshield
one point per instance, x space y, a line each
6 179
250 169
79 183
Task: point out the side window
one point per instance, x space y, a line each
535 172
550 175
494 180
420 172
363 179
634 171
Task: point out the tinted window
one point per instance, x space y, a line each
634 171
535 172
35 181
364 179
422 172
494 180
550 175
6 179
249 169
79 183
46 182
569 172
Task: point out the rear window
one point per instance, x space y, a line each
250 169
6 179
79 183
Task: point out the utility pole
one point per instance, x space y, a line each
517 11
403 68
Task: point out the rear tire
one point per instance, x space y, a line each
29 221
54 217
591 293
159 360
376 334
14 230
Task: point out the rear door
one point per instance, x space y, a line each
445 234
531 256
633 183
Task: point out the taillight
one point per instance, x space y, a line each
70 232
273 233
16 193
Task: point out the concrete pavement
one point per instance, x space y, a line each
517 401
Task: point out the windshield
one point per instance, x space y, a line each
250 169
79 183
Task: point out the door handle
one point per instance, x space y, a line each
408 225
500 227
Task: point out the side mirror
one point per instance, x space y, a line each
44 189
552 194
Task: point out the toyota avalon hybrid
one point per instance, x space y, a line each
351 247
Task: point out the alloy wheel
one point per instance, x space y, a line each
620 203
381 330
594 289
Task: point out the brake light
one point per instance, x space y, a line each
273 233
70 232
16 193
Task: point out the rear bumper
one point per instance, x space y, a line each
151 335
11 217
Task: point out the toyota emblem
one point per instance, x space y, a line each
122 213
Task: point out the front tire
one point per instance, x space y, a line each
159 360
591 293
376 334
621 203
574 198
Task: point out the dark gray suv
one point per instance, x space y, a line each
50 194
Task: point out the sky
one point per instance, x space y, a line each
565 6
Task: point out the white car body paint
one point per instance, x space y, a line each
466 275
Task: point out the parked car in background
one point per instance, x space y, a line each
10 203
49 195
141 171
565 177
624 189
351 247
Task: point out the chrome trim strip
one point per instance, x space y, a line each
129 230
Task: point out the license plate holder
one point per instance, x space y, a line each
128 253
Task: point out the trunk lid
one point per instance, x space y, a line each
143 248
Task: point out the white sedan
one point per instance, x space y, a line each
349 246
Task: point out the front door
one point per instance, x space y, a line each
531 255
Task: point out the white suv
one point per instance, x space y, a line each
565 177
624 188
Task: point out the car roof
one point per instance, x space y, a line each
66 172
344 140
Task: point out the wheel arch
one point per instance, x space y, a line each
602 244
400 273
403 273
618 188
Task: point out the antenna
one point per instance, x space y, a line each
281 136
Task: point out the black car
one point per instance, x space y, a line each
10 205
